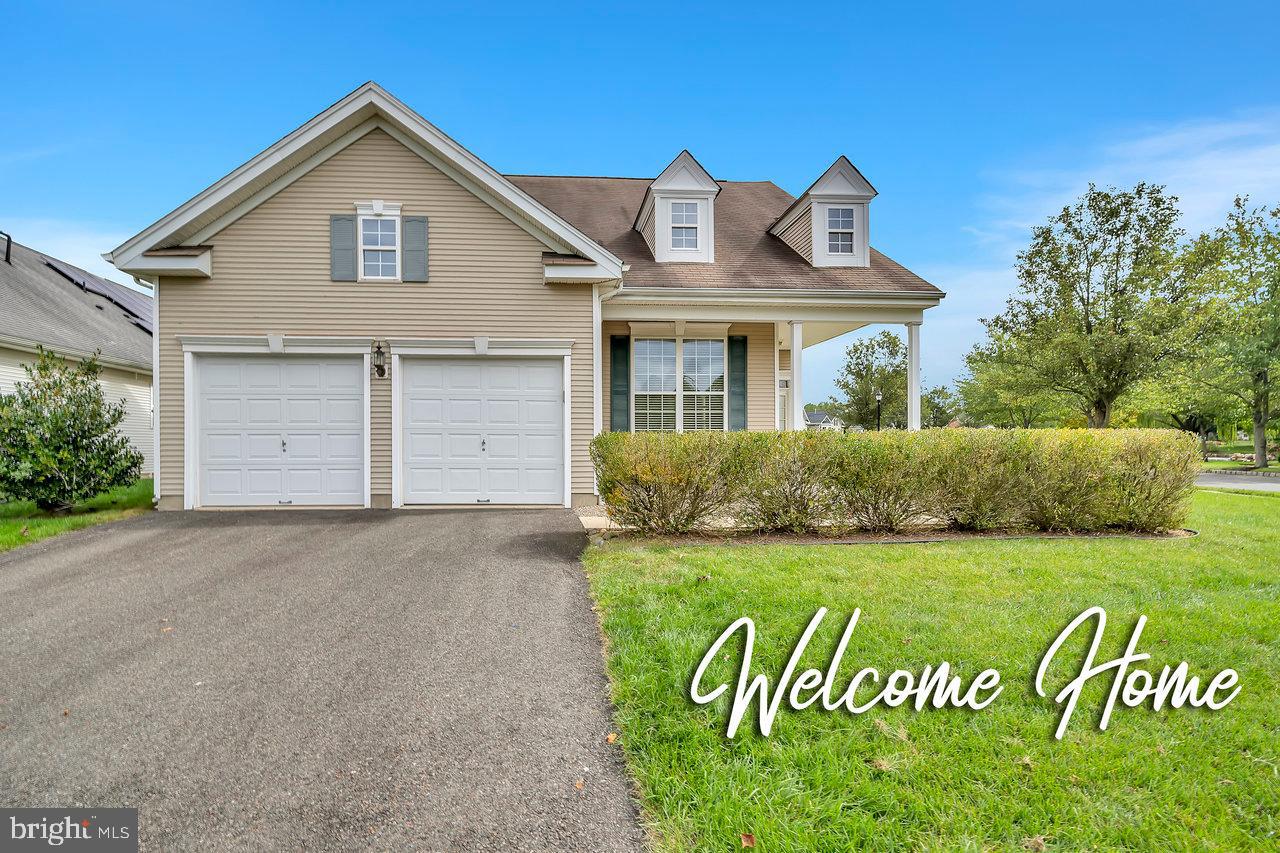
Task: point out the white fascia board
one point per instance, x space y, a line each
577 273
171 266
292 344
770 296
558 347
763 313
370 94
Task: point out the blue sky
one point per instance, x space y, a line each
974 121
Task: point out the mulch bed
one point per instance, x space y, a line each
915 537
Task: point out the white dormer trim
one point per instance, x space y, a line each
841 186
684 181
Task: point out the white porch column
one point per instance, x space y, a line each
913 376
797 376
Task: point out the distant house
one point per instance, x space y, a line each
45 302
818 419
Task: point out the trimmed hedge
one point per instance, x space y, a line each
961 479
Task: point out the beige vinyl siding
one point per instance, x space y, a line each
271 276
784 359
133 387
799 235
647 224
760 378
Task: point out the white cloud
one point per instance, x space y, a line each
79 243
1205 163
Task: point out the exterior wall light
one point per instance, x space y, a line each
379 361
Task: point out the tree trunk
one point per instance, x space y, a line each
1261 407
1099 415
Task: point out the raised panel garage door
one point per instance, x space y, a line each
281 430
482 430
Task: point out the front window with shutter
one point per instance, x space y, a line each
679 384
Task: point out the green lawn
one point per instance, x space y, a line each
21 523
955 779
1220 464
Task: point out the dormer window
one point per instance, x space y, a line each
840 230
684 225
678 215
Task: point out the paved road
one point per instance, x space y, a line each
317 680
1239 481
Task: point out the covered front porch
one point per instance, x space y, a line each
699 360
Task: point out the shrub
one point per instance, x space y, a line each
979 475
1066 488
1152 474
1065 479
664 482
60 441
787 481
882 480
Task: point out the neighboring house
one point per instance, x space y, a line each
818 419
45 302
367 314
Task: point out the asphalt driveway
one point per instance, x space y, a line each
318 680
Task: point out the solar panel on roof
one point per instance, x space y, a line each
135 304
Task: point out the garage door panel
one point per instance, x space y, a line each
500 446
344 447
462 445
542 378
459 480
423 446
462 410
344 410
503 377
222 411
482 429
263 446
264 482
281 430
302 411
425 481
502 411
543 412
462 377
543 446
305 446
543 481
262 410
221 447
420 412
262 376
227 482
344 376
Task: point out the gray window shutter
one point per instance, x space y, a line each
414 232
737 382
619 383
342 247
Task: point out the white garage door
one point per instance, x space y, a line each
281 430
482 430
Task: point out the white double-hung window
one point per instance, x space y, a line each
378 232
840 230
678 384
684 225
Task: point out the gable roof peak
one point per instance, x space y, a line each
842 178
685 173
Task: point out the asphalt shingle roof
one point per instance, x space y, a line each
49 302
747 255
